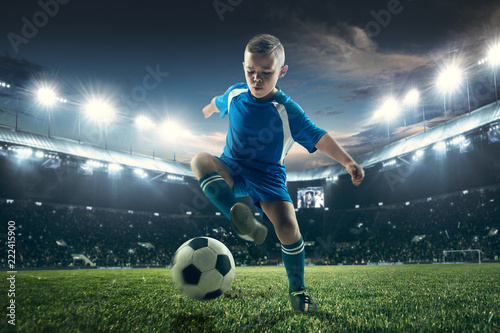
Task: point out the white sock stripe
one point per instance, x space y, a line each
210 180
293 249
212 177
205 184
293 253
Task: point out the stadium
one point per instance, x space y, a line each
91 223
143 207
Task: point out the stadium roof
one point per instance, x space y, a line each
462 124
85 150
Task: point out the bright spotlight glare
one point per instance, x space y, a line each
93 163
172 130
99 110
140 173
143 122
419 153
389 109
494 55
24 152
46 96
457 140
114 167
449 79
412 97
440 146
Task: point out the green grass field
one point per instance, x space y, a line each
459 298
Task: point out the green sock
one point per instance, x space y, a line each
293 259
218 192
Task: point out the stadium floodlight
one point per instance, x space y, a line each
494 59
143 122
99 110
419 153
24 152
412 97
440 146
113 168
172 131
47 97
494 55
457 140
389 110
449 79
140 173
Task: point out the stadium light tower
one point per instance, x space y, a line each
494 60
47 97
143 123
100 111
389 110
172 131
411 98
449 79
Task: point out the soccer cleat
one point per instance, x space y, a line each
246 226
302 302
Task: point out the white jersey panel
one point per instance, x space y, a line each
287 134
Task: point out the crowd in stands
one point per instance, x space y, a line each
421 231
50 235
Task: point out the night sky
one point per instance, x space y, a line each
167 59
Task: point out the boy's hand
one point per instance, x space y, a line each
357 173
207 111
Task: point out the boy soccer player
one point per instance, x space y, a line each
263 124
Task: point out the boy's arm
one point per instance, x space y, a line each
332 149
210 109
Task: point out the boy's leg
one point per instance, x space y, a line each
217 184
282 215
215 181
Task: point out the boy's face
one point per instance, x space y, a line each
262 71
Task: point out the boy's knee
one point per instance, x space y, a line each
288 229
201 164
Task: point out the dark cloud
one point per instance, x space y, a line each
17 71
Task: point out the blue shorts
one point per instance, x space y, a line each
262 182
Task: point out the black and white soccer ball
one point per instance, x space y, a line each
203 268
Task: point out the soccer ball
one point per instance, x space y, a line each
203 268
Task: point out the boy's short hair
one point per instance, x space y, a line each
267 44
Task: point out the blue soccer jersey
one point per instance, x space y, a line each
264 131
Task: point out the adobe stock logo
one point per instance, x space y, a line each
221 7
30 28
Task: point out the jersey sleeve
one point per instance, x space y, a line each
303 130
222 101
